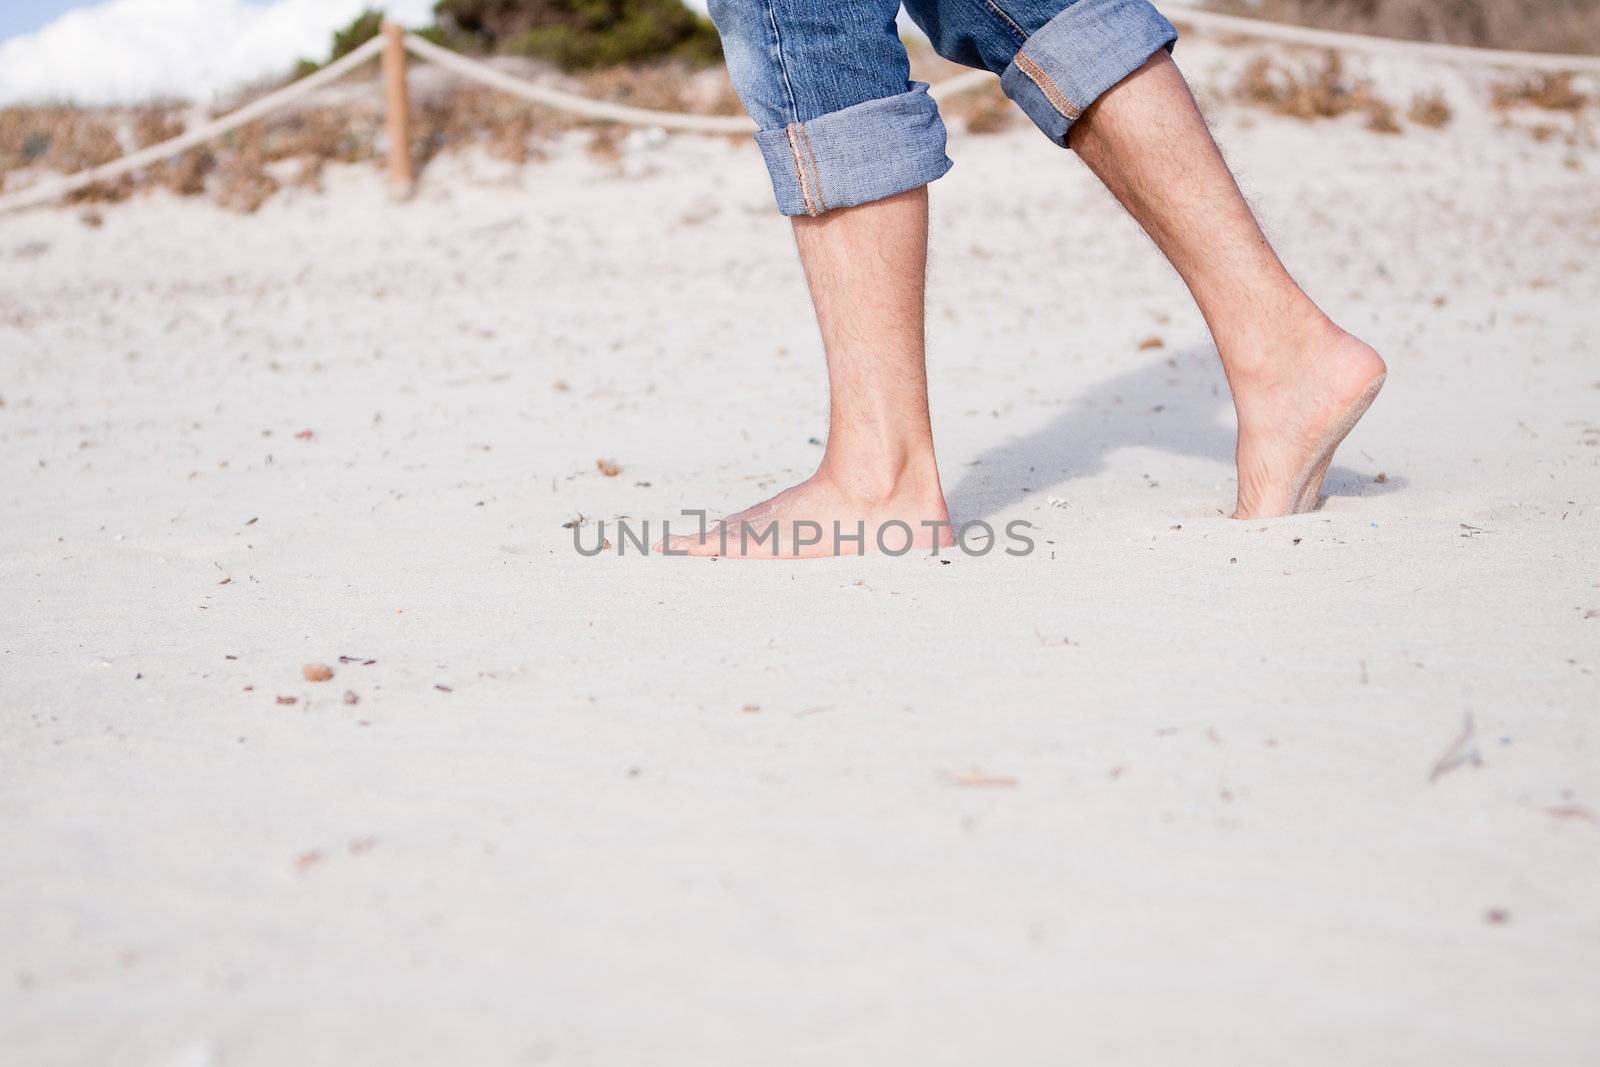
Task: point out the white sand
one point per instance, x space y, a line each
1221 846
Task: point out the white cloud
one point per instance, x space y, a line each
130 50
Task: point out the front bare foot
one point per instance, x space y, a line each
906 512
1294 412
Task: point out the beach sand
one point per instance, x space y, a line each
1172 788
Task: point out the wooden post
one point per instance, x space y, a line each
397 106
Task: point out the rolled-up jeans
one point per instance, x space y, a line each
840 122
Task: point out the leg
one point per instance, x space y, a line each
1082 71
1299 382
851 144
865 266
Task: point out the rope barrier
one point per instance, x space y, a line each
601 110
1186 11
635 116
46 191
577 105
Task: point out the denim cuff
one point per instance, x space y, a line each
856 154
1079 54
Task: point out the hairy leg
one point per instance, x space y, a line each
1299 382
865 266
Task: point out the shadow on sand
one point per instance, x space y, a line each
1177 403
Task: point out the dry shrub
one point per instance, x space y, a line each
986 111
309 176
186 175
1535 25
660 87
243 183
510 141
1321 94
991 113
65 140
152 125
22 138
665 86
1380 118
1430 110
78 141
465 116
1549 92
329 134
605 146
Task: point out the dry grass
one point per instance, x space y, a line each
1321 93
466 116
61 139
1533 25
988 111
1381 118
242 182
1430 110
666 87
605 145
237 171
1548 92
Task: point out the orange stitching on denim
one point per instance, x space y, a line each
1047 87
800 168
816 175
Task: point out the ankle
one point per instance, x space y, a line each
1271 345
871 478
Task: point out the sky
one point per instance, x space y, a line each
119 51
25 16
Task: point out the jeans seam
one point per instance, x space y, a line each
1047 86
800 168
783 63
1004 16
816 176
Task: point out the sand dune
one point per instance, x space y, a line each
1319 790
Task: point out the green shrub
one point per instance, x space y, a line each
584 34
363 28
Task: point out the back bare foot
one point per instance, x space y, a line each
800 522
1293 414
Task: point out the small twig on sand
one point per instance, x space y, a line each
974 777
1065 642
818 710
1573 811
1461 751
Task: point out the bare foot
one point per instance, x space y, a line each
800 522
1294 413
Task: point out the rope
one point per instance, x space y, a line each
578 105
633 116
47 191
1185 11
672 120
